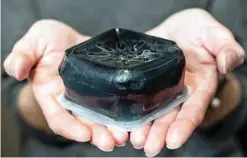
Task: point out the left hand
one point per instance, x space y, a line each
209 47
37 56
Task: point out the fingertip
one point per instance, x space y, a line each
83 133
240 53
106 150
71 129
178 133
17 65
7 65
62 123
121 137
230 57
156 139
139 136
157 136
21 68
122 145
103 138
226 61
151 155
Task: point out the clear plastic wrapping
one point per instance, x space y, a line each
123 78
128 122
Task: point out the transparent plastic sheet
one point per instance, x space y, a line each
123 78
126 124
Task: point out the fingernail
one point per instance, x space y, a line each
173 146
12 71
229 62
17 70
121 145
138 148
153 145
83 138
174 143
9 63
82 134
106 150
151 155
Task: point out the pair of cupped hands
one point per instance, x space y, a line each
209 48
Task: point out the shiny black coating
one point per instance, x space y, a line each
122 73
126 62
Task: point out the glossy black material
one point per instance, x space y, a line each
123 74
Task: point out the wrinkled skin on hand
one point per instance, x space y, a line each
209 47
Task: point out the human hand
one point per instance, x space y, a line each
209 47
37 56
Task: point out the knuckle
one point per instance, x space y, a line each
198 10
17 45
198 120
241 56
44 22
241 61
54 126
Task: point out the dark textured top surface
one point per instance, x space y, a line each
123 74
120 48
119 62
94 16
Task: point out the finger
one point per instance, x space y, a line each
139 136
220 41
101 136
192 111
120 137
37 42
81 38
22 58
158 31
157 135
85 121
62 122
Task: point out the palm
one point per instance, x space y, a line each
201 69
50 46
45 79
206 45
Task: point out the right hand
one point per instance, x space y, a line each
37 56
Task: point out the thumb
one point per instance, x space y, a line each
222 44
41 38
23 57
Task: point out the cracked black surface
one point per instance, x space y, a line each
122 48
111 72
